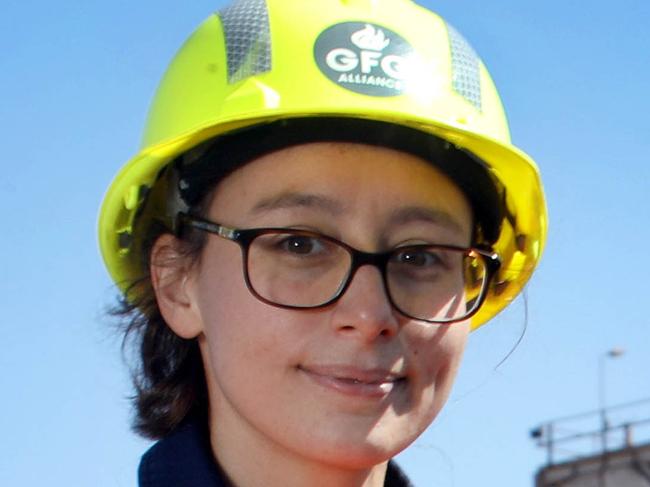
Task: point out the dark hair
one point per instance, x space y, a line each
167 371
168 374
169 377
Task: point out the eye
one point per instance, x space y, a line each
296 246
301 245
418 257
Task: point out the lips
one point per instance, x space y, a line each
354 381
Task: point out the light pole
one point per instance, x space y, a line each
604 423
613 353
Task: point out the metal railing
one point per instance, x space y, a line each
595 432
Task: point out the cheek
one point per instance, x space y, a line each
240 332
222 297
436 355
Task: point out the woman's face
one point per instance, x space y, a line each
351 384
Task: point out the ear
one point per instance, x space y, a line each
172 281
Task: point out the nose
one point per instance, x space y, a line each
364 311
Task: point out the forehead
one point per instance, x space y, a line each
339 177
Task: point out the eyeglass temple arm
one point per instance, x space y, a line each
206 226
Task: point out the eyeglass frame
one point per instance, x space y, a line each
245 237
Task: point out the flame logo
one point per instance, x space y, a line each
370 38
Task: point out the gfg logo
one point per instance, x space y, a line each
364 58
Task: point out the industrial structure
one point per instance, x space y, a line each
609 447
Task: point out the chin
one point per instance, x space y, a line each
363 452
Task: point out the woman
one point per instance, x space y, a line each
326 203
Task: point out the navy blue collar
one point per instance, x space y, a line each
184 459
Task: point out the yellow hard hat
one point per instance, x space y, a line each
392 61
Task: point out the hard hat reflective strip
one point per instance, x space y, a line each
248 38
466 75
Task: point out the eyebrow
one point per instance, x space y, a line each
401 216
292 199
420 214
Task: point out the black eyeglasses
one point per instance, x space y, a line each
299 269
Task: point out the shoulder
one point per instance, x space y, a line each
395 477
182 459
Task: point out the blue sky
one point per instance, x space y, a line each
76 81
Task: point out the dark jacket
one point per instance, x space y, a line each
184 459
